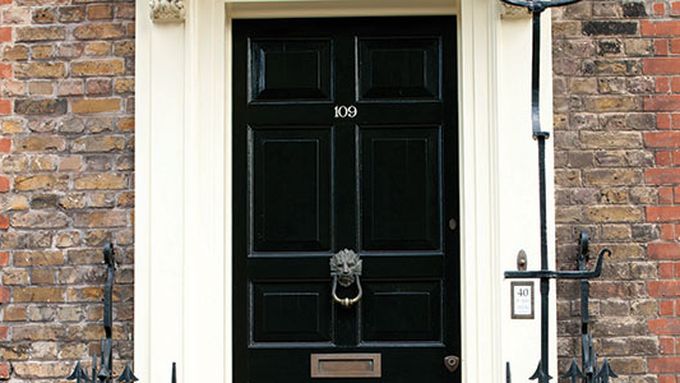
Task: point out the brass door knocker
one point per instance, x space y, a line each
345 270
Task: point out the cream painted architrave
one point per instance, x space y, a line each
183 181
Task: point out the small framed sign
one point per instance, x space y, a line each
522 300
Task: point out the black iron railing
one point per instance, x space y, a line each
103 372
589 373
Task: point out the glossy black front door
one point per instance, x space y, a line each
345 138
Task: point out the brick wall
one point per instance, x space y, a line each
617 137
66 180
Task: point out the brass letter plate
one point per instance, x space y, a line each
345 366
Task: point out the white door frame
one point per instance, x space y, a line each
183 241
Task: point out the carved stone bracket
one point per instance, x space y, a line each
512 12
167 11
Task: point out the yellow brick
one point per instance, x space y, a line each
95 105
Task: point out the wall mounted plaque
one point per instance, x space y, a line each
522 300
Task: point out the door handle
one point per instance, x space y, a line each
345 268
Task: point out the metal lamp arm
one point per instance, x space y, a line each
539 6
596 272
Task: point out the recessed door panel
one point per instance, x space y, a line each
291 312
399 175
399 68
402 311
290 187
287 70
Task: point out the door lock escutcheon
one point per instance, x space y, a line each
452 363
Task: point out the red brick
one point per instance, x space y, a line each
5 71
664 250
667 346
5 145
5 370
667 379
5 34
663 158
661 365
666 308
675 46
659 9
647 28
676 194
4 184
675 120
670 103
4 294
665 196
663 289
667 233
4 222
5 107
662 176
4 331
662 85
675 8
666 268
4 259
661 65
663 214
660 28
662 139
661 47
663 120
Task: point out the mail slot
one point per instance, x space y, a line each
345 366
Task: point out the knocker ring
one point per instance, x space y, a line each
345 268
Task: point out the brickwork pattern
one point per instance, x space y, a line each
66 180
617 139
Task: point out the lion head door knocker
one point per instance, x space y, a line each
345 270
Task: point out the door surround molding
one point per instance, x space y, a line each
183 180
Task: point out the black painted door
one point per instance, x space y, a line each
345 137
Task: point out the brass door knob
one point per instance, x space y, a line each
452 363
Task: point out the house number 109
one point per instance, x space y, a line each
342 111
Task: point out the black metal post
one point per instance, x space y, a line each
541 136
105 371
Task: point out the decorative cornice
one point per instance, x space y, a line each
513 12
167 11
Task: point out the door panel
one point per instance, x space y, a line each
305 305
417 304
291 188
290 70
399 68
308 184
399 176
